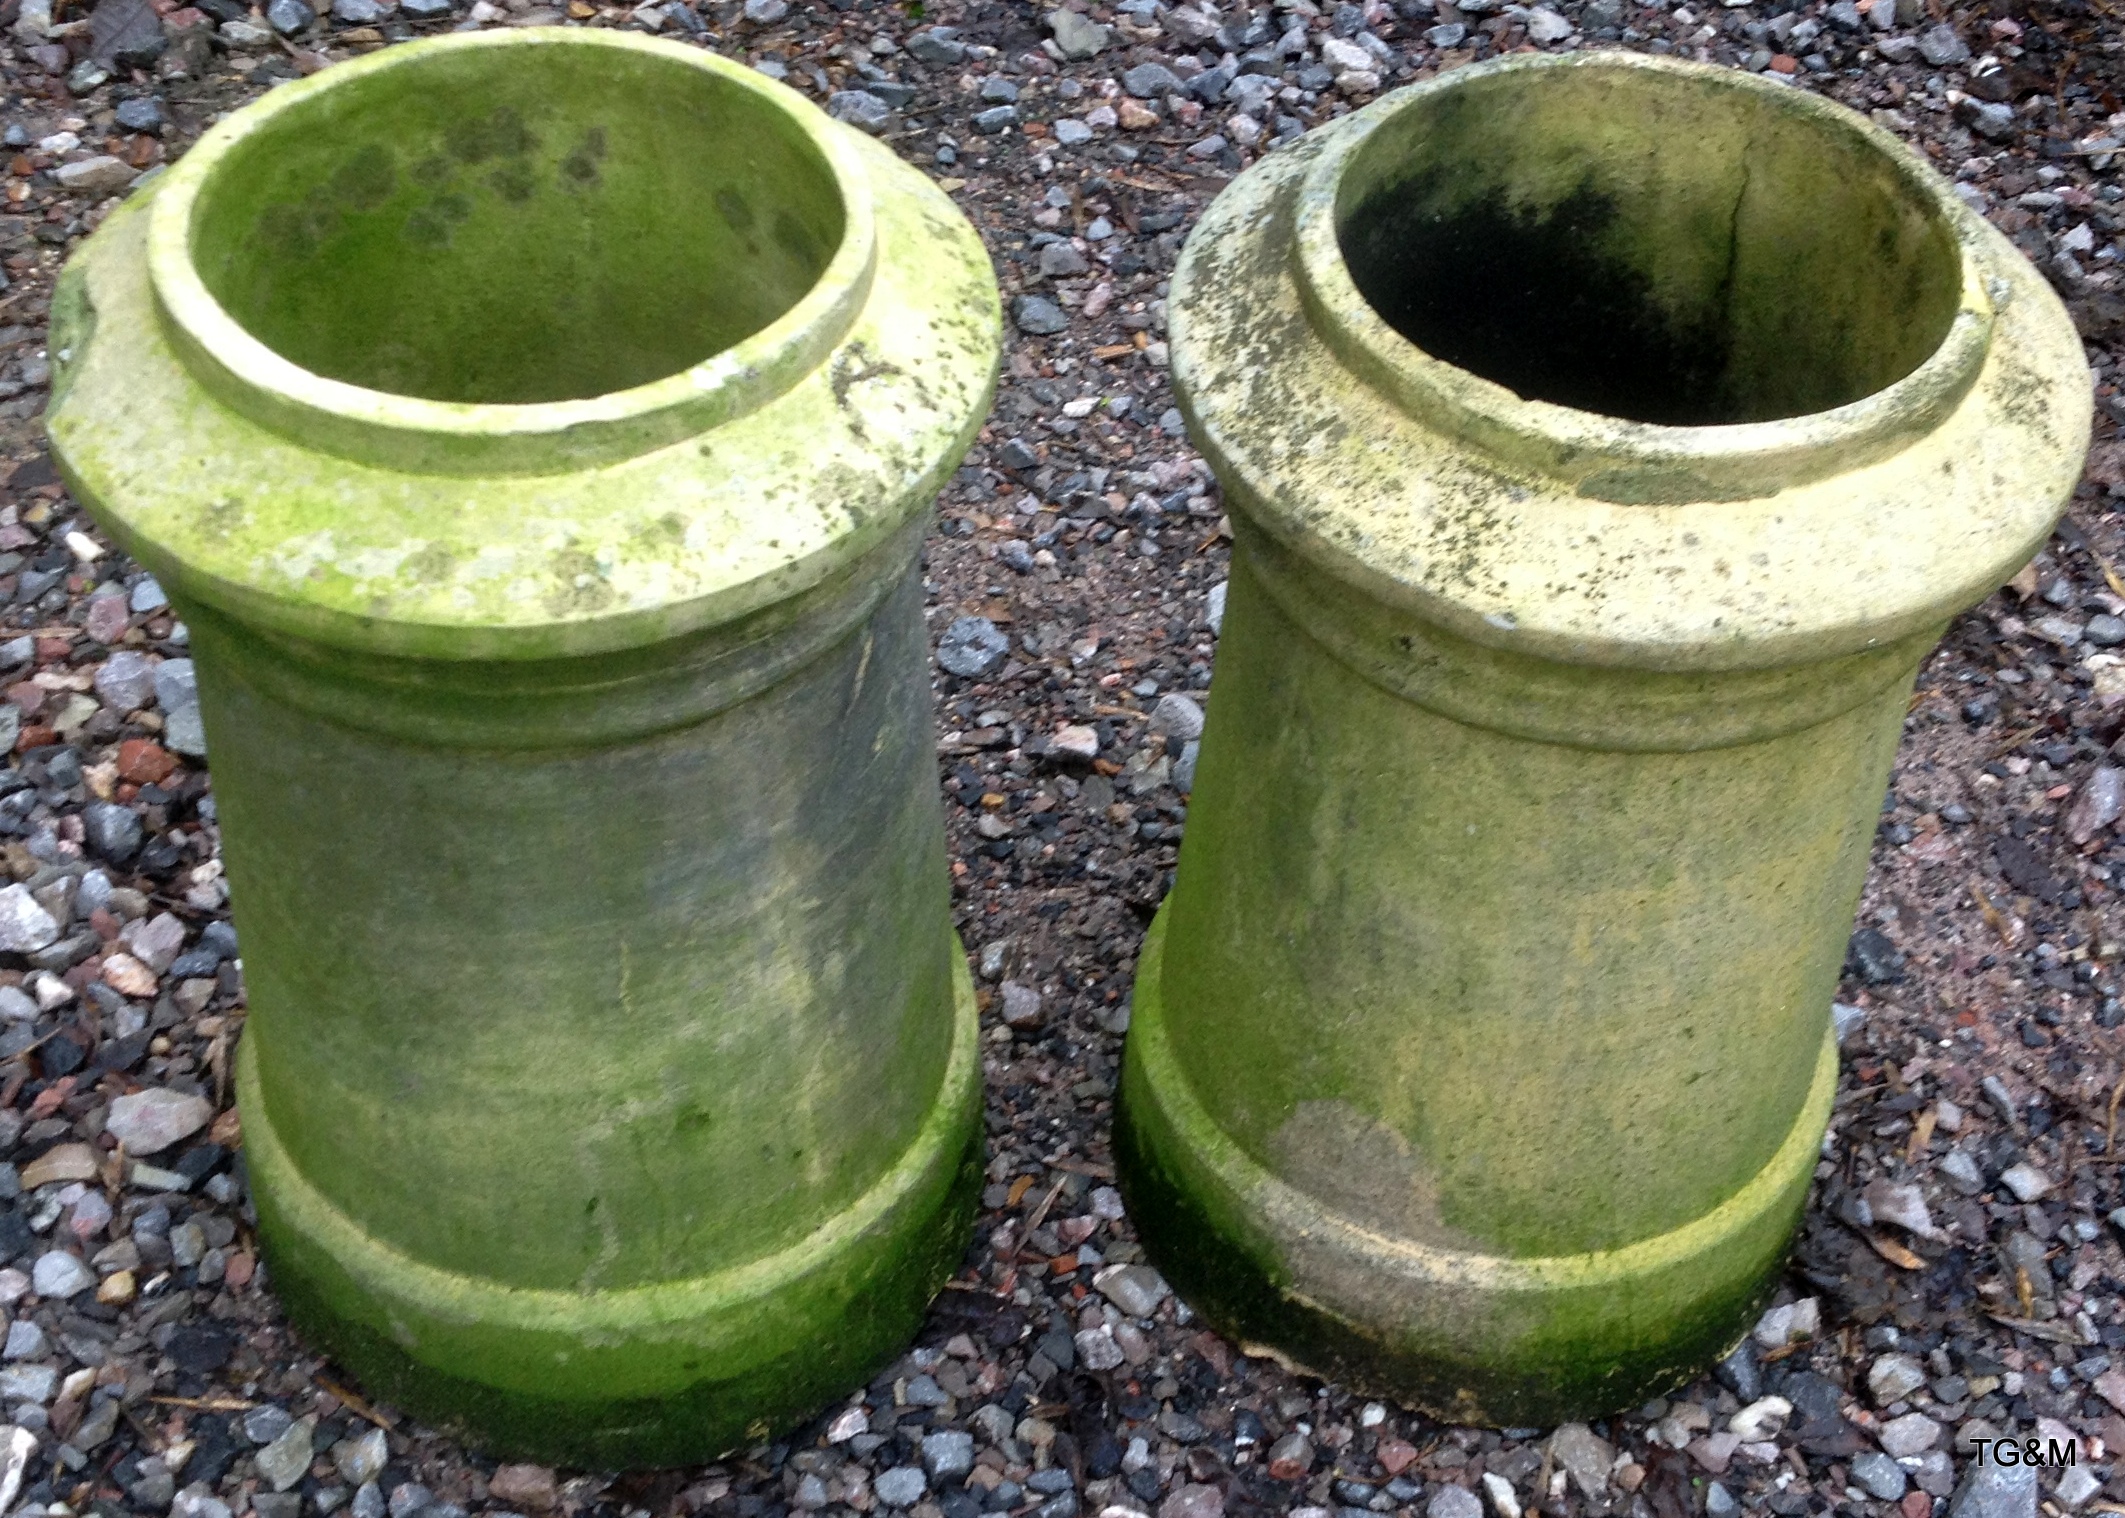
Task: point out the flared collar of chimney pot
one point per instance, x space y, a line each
1900 487
770 333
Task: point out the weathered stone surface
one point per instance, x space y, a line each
1458 725
411 739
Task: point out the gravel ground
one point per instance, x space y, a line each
1958 1276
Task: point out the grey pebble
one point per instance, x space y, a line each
938 46
360 1460
1097 1349
859 109
142 113
101 175
2026 1181
1176 716
970 647
1992 1490
25 927
29 1383
1893 1378
196 1501
1912 1434
113 830
125 681
902 1486
1941 45
1077 36
1060 260
1020 1006
1989 118
1135 1289
1037 315
948 1455
176 684
184 731
1962 1172
1151 81
262 1425
61 1275
1450 1501
1881 1476
1184 767
2063 631
287 1459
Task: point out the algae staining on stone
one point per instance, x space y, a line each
514 181
732 207
432 225
1562 318
1366 1170
309 557
296 230
431 563
796 239
1465 538
367 180
364 183
433 171
851 367
220 519
499 138
73 325
579 170
499 134
578 585
660 536
2016 393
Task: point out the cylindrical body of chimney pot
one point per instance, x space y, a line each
1607 440
537 433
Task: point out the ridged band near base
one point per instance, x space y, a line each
664 1374
1468 1337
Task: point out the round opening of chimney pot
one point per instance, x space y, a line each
1638 245
517 225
